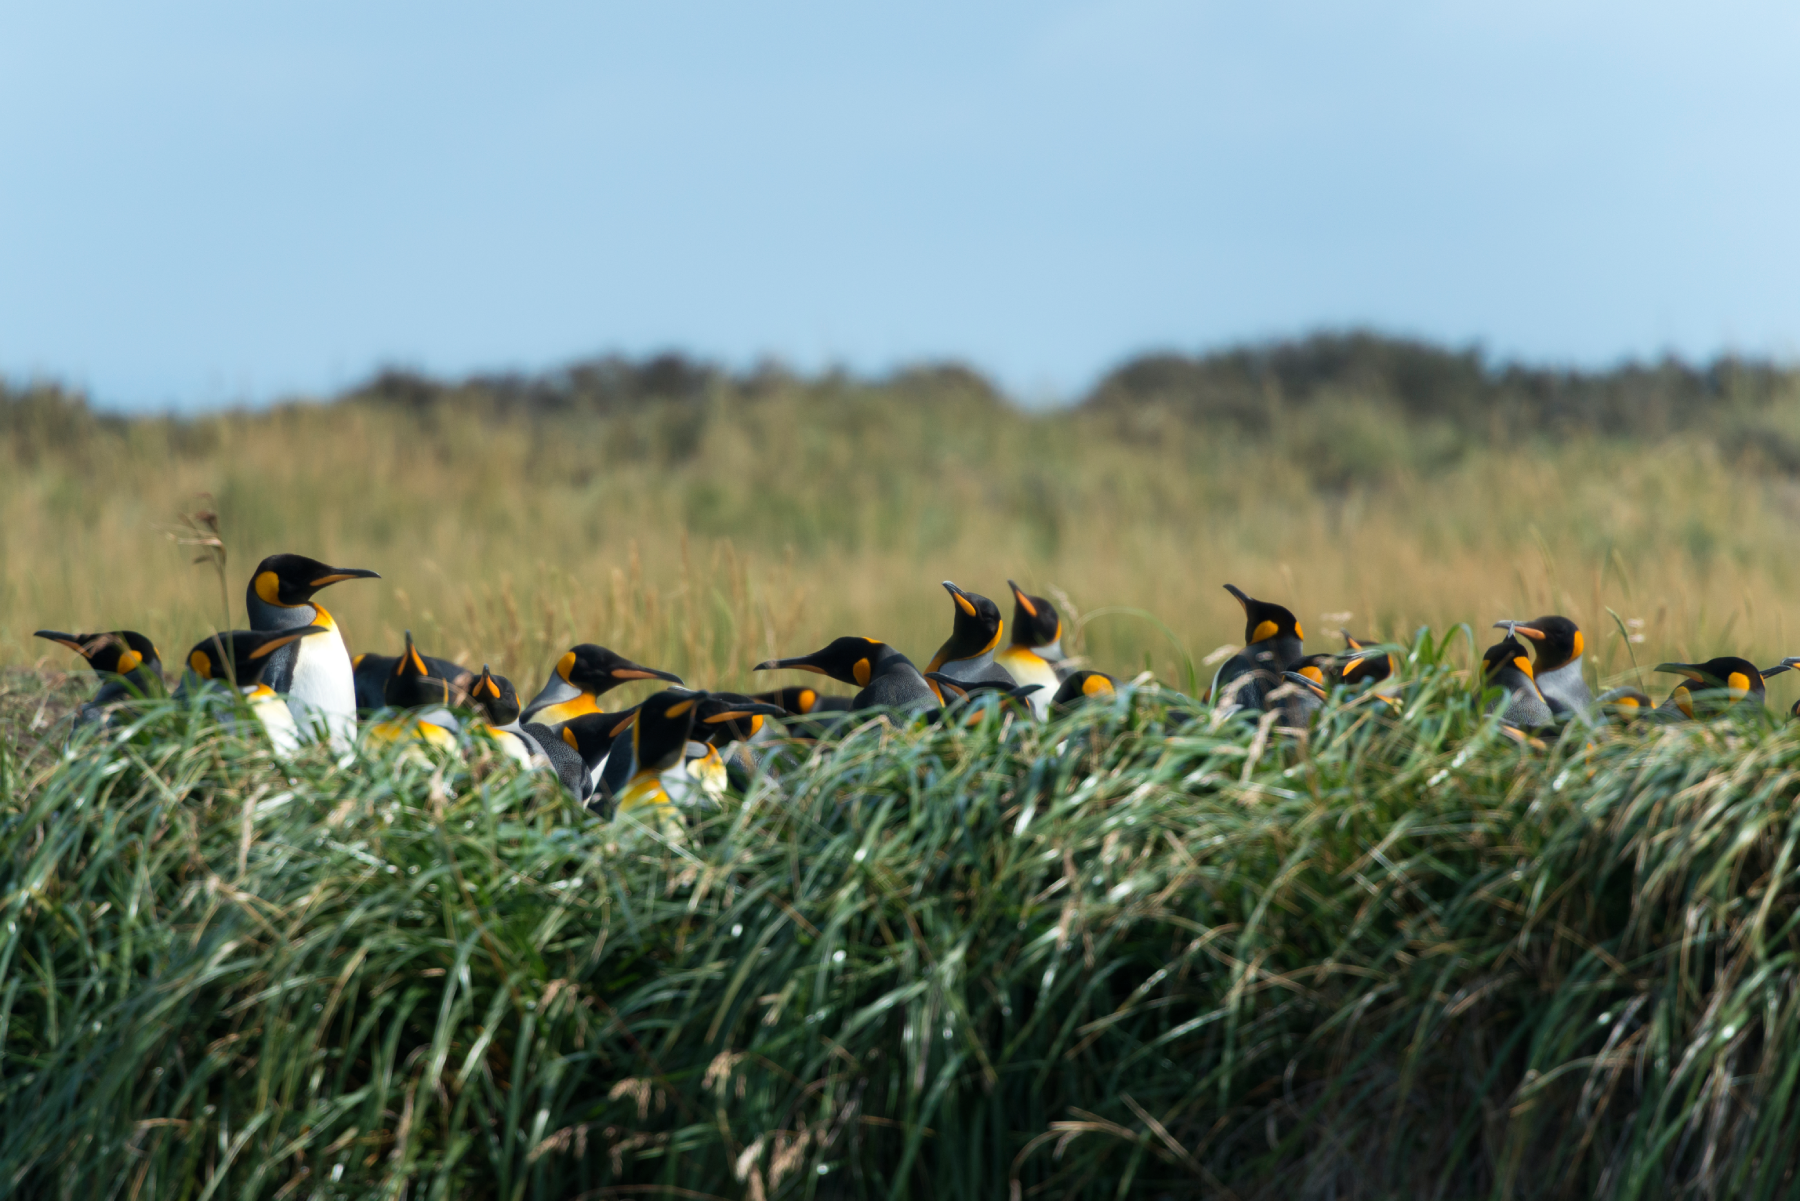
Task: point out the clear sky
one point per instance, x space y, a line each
204 203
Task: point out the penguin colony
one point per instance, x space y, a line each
682 747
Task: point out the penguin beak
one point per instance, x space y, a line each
1519 627
1311 685
1239 593
803 663
1787 664
68 640
631 671
339 574
960 597
946 684
1682 669
1024 601
743 711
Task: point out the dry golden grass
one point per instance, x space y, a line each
707 538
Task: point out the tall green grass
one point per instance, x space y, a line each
1132 953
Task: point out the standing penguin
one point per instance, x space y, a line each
968 654
314 673
125 661
1272 645
1035 649
1558 668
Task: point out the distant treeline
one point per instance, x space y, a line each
1249 387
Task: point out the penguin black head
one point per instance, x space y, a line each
412 684
849 659
1558 640
1360 668
286 581
1715 684
1503 658
239 656
118 652
1082 686
1035 620
494 696
591 735
595 669
665 721
796 700
1264 621
725 717
976 631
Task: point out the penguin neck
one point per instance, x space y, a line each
265 616
1284 649
557 693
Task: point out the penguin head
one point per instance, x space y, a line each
659 735
1036 625
118 652
287 581
1558 641
1505 661
1716 684
494 696
1081 686
850 659
1264 620
795 701
1626 705
724 717
1359 668
239 656
976 631
595 669
591 735
412 684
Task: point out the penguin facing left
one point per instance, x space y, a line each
583 675
240 659
968 654
887 678
125 661
1035 649
314 673
1726 684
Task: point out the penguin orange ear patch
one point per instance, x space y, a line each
128 662
1299 633
201 664
807 699
1579 643
1095 685
1264 630
268 587
565 665
1739 682
862 671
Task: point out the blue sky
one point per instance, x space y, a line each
209 203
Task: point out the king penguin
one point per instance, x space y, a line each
241 658
314 673
887 678
1521 705
1721 685
493 698
1083 686
1035 649
425 696
1272 644
1558 668
125 661
968 654
583 675
659 738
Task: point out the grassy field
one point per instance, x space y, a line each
1129 954
1114 957
706 522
